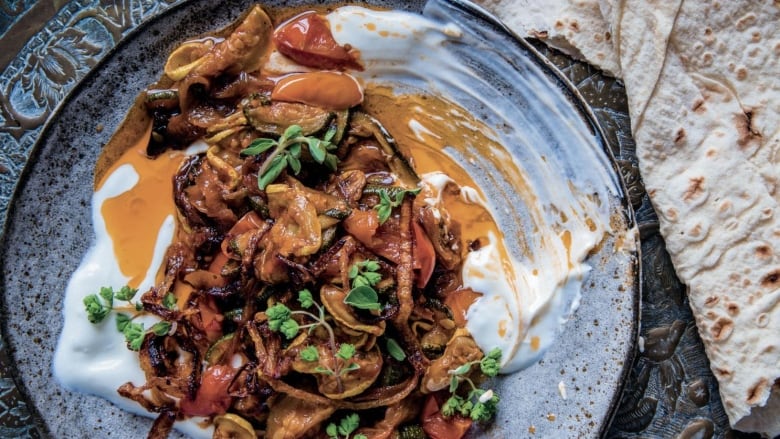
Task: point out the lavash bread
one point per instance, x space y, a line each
574 27
703 83
703 80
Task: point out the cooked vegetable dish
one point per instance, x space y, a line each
307 292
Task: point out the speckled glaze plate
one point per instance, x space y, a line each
48 230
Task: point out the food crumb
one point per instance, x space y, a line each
532 429
562 389
550 417
99 128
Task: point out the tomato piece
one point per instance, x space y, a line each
307 40
212 396
332 90
423 254
436 426
210 320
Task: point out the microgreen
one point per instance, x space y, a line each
387 202
480 405
287 153
99 306
280 319
345 428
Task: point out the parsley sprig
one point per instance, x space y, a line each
387 202
99 306
364 276
287 153
480 405
345 428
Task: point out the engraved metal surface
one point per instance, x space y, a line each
671 391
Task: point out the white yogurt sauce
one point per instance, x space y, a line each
524 295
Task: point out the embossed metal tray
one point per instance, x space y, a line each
669 389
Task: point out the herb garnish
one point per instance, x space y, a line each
280 320
394 349
345 353
99 306
287 153
480 405
364 276
386 203
346 426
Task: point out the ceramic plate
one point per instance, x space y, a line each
49 229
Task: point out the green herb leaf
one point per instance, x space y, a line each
349 424
310 354
134 335
363 297
346 351
360 436
454 382
305 298
291 132
259 146
289 328
277 315
323 370
317 150
126 293
96 311
462 369
394 349
295 164
331 161
490 365
349 368
107 293
386 204
160 328
451 406
169 301
278 164
332 431
122 320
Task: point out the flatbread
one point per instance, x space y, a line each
574 27
703 84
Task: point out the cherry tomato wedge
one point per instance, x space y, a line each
307 40
436 426
423 254
212 397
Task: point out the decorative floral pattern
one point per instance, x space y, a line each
670 392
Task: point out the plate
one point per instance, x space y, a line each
49 229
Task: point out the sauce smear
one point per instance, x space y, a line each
134 217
